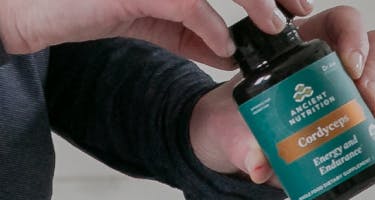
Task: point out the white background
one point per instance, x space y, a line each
79 177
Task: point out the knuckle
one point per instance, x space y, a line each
348 10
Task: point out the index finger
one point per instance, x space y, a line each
196 15
268 16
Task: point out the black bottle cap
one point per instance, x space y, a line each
256 48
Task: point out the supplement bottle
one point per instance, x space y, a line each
305 112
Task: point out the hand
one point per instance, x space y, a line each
366 84
220 137
187 27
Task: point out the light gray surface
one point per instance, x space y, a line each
79 177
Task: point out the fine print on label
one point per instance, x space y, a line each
335 158
316 130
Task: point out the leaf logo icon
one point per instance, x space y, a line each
302 92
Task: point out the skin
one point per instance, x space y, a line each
219 135
28 26
193 29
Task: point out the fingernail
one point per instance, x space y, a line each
231 48
355 65
307 5
278 20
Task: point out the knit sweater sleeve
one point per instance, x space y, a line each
128 104
4 57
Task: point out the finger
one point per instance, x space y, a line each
243 152
366 84
240 146
265 14
234 140
198 16
343 28
298 7
178 39
193 47
257 165
221 139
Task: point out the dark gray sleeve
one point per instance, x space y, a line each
4 57
128 103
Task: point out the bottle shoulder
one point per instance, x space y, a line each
280 68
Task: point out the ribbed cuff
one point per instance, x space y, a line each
3 55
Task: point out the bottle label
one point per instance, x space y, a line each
314 128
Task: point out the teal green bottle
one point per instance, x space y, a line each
306 113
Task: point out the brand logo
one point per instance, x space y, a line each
302 92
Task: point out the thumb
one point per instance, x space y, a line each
241 146
366 84
248 156
344 30
351 39
221 139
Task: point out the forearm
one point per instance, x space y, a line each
126 104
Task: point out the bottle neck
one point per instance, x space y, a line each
255 49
